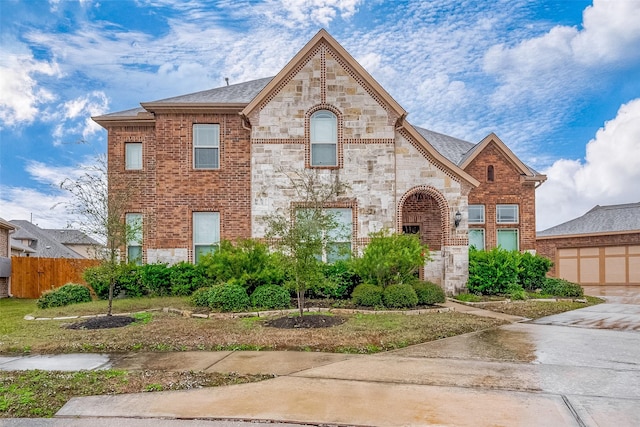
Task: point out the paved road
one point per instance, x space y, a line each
574 369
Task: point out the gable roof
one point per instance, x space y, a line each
68 236
6 225
528 173
44 244
599 220
324 37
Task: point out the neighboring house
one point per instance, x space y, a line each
31 240
602 247
6 229
214 164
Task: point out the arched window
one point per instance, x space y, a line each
324 138
490 173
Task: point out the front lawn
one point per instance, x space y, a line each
360 333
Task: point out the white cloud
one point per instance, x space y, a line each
20 94
25 203
609 174
557 61
297 13
73 117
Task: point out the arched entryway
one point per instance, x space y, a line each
423 211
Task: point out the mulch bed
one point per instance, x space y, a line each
103 322
310 321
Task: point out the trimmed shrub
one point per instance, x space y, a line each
533 271
429 293
128 280
339 281
400 296
228 298
561 288
492 272
270 297
517 293
248 261
367 295
391 258
98 278
156 279
185 278
64 295
200 297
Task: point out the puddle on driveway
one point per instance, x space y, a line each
492 344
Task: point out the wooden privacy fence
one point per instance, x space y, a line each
30 277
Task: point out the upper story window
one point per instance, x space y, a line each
490 173
476 214
133 155
507 214
324 138
206 146
134 238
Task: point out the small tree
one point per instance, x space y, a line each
301 233
101 213
391 258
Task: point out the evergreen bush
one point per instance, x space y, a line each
185 278
229 297
429 293
533 271
493 272
400 296
562 288
270 297
200 297
156 279
68 294
367 295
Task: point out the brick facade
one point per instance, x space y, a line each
507 187
4 252
167 190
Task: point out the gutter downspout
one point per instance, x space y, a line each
9 294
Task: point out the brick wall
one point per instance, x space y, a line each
506 188
548 247
168 189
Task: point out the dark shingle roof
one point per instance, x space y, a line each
600 219
70 237
452 148
240 93
45 245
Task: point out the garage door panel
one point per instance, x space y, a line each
634 269
615 270
568 269
589 270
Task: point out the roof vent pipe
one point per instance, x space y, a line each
226 79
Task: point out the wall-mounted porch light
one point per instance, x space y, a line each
457 218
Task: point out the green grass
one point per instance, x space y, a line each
29 394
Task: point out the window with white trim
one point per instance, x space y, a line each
476 238
133 155
134 237
507 214
324 138
476 214
206 233
508 239
206 146
337 241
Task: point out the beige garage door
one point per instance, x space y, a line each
611 265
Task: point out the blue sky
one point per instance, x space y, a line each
557 80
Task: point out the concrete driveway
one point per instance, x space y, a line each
564 370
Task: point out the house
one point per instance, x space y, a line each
6 229
602 247
31 240
214 164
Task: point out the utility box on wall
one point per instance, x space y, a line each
5 267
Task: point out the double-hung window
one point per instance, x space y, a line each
324 138
134 237
508 239
476 214
507 214
206 233
476 238
206 146
133 155
339 238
